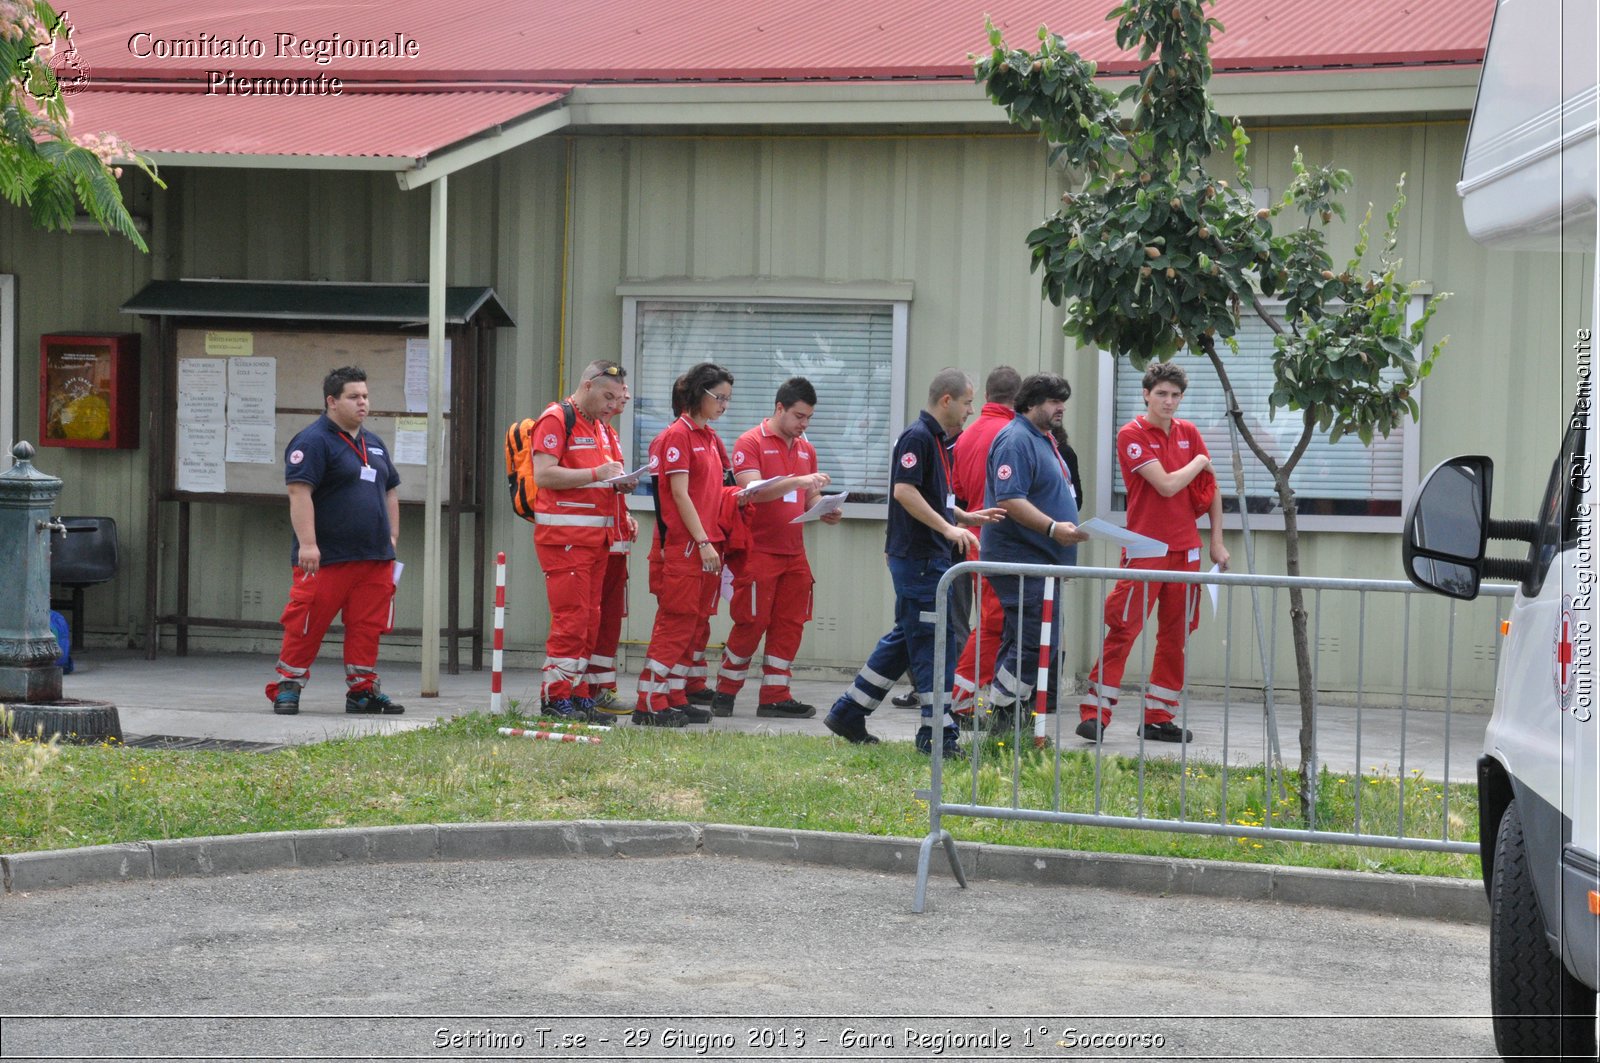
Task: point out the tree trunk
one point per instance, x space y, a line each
1299 626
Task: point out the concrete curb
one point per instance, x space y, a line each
1455 900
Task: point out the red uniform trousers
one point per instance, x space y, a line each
602 673
364 592
771 597
1126 608
973 675
686 596
573 576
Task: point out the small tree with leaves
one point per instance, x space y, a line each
45 167
1154 254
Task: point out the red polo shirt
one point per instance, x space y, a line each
684 449
1172 520
769 454
972 453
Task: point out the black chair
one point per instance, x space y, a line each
86 555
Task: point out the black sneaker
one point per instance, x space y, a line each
722 704
372 702
952 750
693 713
563 709
1092 730
789 709
1167 732
702 696
659 718
908 700
853 731
287 703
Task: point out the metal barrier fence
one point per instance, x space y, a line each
1232 781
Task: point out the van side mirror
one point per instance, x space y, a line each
1447 527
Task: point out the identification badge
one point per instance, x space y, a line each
950 500
792 496
368 473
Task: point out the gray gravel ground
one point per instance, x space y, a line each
458 960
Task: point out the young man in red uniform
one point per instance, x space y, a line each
345 511
688 460
1168 475
602 674
772 583
971 466
574 525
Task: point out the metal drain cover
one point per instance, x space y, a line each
219 745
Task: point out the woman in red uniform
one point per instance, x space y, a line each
689 462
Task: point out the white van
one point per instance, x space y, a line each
1529 183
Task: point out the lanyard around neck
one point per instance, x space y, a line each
362 451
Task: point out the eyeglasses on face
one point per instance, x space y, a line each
722 400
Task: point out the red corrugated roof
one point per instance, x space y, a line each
410 125
453 72
609 40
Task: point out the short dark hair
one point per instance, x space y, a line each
333 384
692 386
1002 384
950 381
1165 373
796 389
1041 387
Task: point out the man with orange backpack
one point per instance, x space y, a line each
574 517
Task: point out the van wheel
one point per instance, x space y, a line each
1540 1010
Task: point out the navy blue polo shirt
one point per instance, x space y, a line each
352 515
1024 463
921 458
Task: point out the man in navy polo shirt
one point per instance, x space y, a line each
1028 479
345 512
924 536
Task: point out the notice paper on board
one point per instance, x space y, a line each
1135 544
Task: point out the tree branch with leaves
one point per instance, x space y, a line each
1154 255
45 167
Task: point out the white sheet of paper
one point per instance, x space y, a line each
640 471
417 374
252 390
1135 544
202 390
726 589
825 505
254 444
411 441
200 455
399 567
755 485
1213 590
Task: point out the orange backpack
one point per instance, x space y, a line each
519 460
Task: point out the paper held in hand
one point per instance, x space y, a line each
638 474
1135 544
755 485
825 505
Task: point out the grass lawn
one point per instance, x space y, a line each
54 797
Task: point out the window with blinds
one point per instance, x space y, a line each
846 350
1341 479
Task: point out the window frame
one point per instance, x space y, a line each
895 295
1410 457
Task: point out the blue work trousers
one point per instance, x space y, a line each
910 643
1016 669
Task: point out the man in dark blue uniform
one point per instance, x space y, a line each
1028 479
345 511
924 538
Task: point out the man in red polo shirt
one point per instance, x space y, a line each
971 467
574 524
772 583
1167 471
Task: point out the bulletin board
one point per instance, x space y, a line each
242 395
241 366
